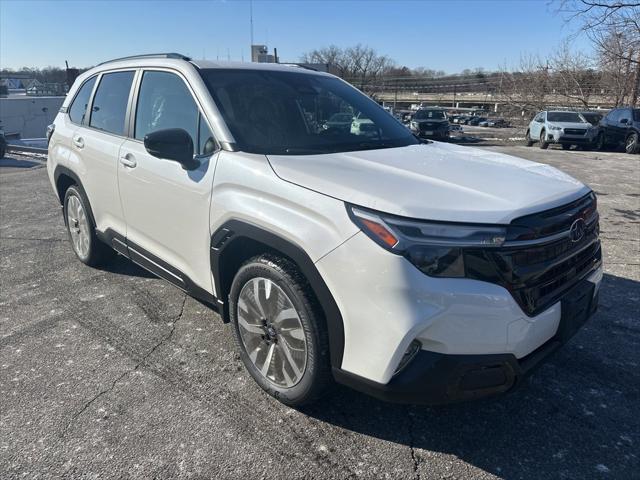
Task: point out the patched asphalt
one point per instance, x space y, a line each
112 373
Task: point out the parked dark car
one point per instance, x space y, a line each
620 128
476 120
430 123
3 144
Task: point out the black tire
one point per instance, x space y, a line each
98 253
600 143
316 380
632 143
3 151
566 146
527 137
543 140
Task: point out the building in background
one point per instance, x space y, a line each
260 54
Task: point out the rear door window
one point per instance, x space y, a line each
78 107
109 107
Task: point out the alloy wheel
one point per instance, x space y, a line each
78 225
271 332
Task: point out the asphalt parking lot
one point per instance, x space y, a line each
113 373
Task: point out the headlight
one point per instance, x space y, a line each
436 248
553 127
414 125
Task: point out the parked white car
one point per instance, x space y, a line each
563 127
415 272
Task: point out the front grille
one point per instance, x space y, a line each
575 131
540 268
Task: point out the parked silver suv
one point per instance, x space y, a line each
563 127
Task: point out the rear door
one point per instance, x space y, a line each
95 146
167 207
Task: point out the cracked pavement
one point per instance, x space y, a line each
113 373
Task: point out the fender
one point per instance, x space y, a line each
236 230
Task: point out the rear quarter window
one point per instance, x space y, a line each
78 108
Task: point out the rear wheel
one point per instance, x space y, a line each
82 230
632 144
527 137
280 330
543 140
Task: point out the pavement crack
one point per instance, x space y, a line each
143 359
412 448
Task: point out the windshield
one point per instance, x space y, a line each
288 113
429 114
569 117
592 118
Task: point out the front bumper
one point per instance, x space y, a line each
561 137
434 378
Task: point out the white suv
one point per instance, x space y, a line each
415 272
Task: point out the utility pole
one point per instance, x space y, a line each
251 19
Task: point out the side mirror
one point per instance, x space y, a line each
171 144
624 120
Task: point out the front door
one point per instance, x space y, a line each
165 206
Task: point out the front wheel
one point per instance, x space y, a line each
527 137
280 330
600 143
543 140
566 146
632 144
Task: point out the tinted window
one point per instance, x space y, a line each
78 108
110 102
625 114
613 116
428 114
288 112
592 118
206 142
571 117
164 101
636 114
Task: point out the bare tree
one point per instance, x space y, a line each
360 64
614 28
573 75
526 87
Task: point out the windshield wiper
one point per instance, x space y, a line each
304 151
372 146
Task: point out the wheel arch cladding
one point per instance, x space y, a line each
236 241
64 178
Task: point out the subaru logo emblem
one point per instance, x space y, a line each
576 232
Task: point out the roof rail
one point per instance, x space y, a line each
150 55
299 65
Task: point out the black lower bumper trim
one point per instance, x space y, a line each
436 378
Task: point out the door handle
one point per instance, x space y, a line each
78 142
128 161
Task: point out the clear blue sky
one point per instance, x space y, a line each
443 35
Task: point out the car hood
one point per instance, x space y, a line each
436 181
